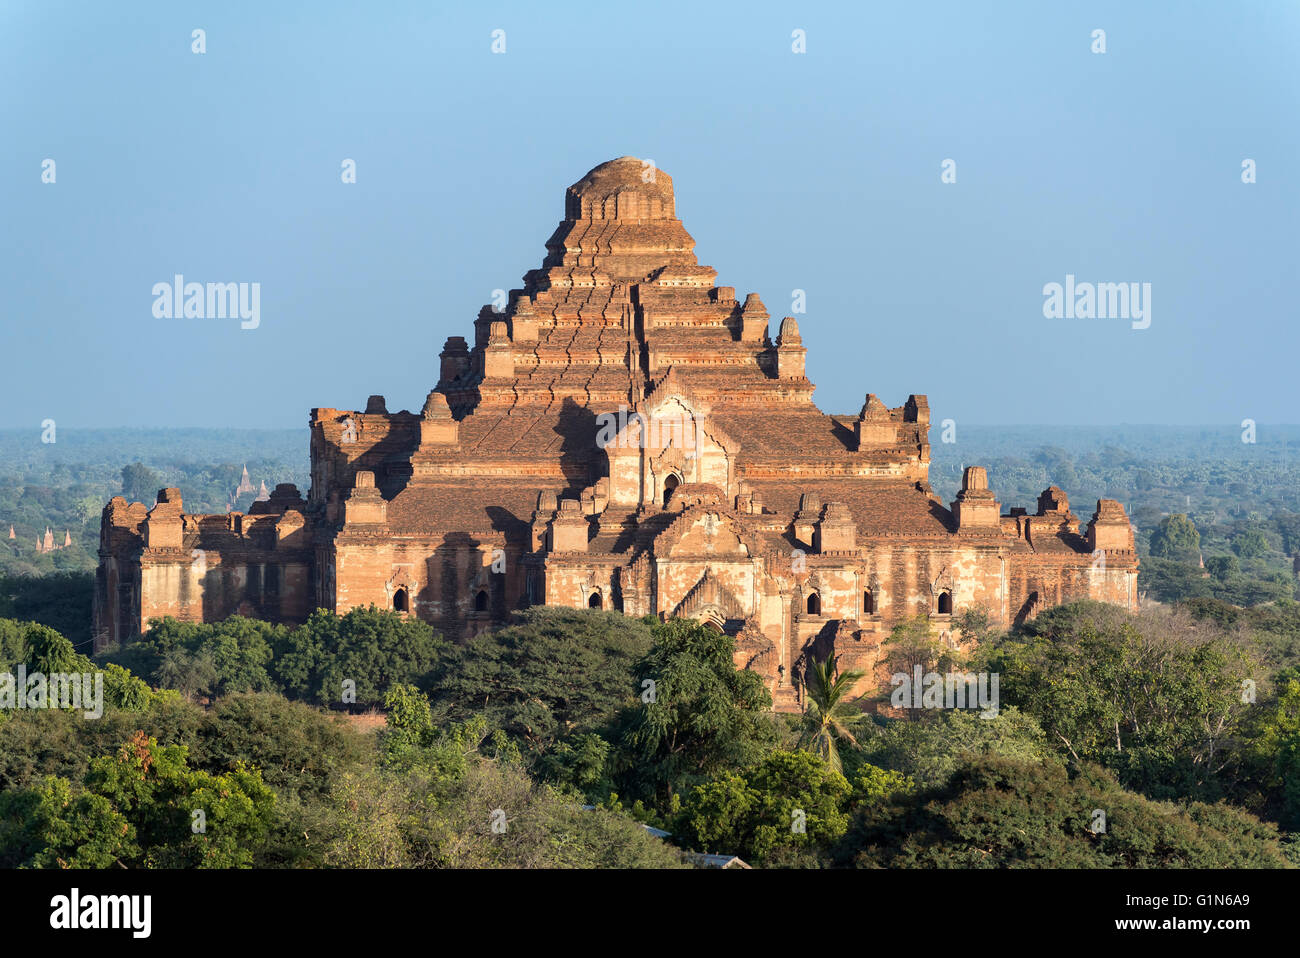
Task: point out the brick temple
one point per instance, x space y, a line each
622 434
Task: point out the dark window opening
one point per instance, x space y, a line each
401 601
945 603
594 601
868 603
814 604
481 601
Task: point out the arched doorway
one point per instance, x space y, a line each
814 604
671 483
481 601
945 603
402 600
594 601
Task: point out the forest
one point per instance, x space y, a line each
582 738
587 739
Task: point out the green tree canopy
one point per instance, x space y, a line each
1250 543
142 807
1176 538
1156 698
140 483
554 673
373 649
704 717
787 801
1001 813
1223 568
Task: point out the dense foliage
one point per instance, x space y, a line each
1002 813
554 673
351 659
548 743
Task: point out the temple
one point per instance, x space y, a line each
622 433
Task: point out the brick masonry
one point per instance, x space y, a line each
622 434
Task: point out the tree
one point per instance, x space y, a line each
373 649
409 723
788 800
829 715
234 655
298 749
704 717
873 784
1223 567
13 643
1000 813
140 483
457 796
1288 526
143 807
488 814
87 508
157 792
930 750
241 650
60 600
1172 581
190 673
1275 746
50 826
553 674
1176 538
49 653
124 691
1250 543
912 643
1155 697
973 624
46 651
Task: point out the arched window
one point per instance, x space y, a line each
481 601
814 604
945 603
868 603
401 601
593 601
671 483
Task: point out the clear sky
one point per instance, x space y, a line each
818 171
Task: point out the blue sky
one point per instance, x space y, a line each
818 171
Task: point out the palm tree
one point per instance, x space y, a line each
829 715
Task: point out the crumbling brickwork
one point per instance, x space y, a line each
623 434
